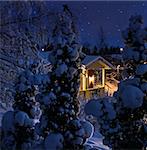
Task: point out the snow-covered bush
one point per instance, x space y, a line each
123 120
54 141
59 123
18 125
103 109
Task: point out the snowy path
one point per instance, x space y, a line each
96 142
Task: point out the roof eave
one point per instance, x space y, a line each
110 66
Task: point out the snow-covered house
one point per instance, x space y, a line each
93 77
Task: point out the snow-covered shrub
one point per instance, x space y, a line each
18 125
123 120
103 109
59 124
54 141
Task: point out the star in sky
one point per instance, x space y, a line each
143 4
112 16
82 29
118 30
107 17
121 12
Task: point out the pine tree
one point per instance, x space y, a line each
132 92
123 123
18 125
59 123
102 43
95 51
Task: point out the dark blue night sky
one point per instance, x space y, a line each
113 16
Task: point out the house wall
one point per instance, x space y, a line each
104 88
85 91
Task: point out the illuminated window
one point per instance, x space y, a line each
91 81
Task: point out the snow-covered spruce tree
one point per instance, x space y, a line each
59 123
132 92
102 46
127 128
18 125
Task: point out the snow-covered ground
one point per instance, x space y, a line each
96 142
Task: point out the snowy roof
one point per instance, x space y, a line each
89 59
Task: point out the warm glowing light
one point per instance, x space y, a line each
91 79
110 88
117 68
84 78
121 49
